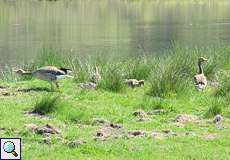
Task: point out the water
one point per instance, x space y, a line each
121 27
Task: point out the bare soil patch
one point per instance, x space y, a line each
185 118
42 130
110 131
211 136
76 143
37 115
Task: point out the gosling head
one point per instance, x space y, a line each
141 82
202 60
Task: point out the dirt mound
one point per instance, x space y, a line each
76 143
140 113
156 112
6 91
157 135
110 131
211 136
115 126
43 130
169 132
88 85
185 118
99 121
143 119
141 116
138 133
37 115
4 88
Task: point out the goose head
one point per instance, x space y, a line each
20 71
202 60
66 70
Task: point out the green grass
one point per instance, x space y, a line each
151 103
171 76
224 86
81 70
139 68
48 56
168 86
47 104
112 79
77 108
215 107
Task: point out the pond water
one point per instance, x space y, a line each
120 27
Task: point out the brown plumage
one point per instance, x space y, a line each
134 82
200 80
48 73
96 77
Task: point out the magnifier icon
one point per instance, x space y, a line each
9 147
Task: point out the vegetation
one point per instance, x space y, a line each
47 104
215 108
168 90
112 79
139 68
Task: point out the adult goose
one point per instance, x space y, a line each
48 73
200 80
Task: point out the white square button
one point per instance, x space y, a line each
10 148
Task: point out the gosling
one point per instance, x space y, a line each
96 77
134 83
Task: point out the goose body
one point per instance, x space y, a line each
200 79
96 77
48 73
134 82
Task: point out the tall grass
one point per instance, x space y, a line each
223 78
172 75
51 57
215 107
138 68
47 104
8 74
169 73
150 103
82 69
113 79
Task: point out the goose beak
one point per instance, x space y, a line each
15 70
69 71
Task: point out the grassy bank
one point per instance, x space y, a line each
92 115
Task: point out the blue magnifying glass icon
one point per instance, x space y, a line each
9 147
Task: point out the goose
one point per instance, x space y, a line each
200 80
48 73
96 77
134 82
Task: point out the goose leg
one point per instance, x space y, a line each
56 83
52 86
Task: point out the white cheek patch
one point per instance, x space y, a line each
69 71
60 77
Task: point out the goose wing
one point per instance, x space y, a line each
200 81
51 70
